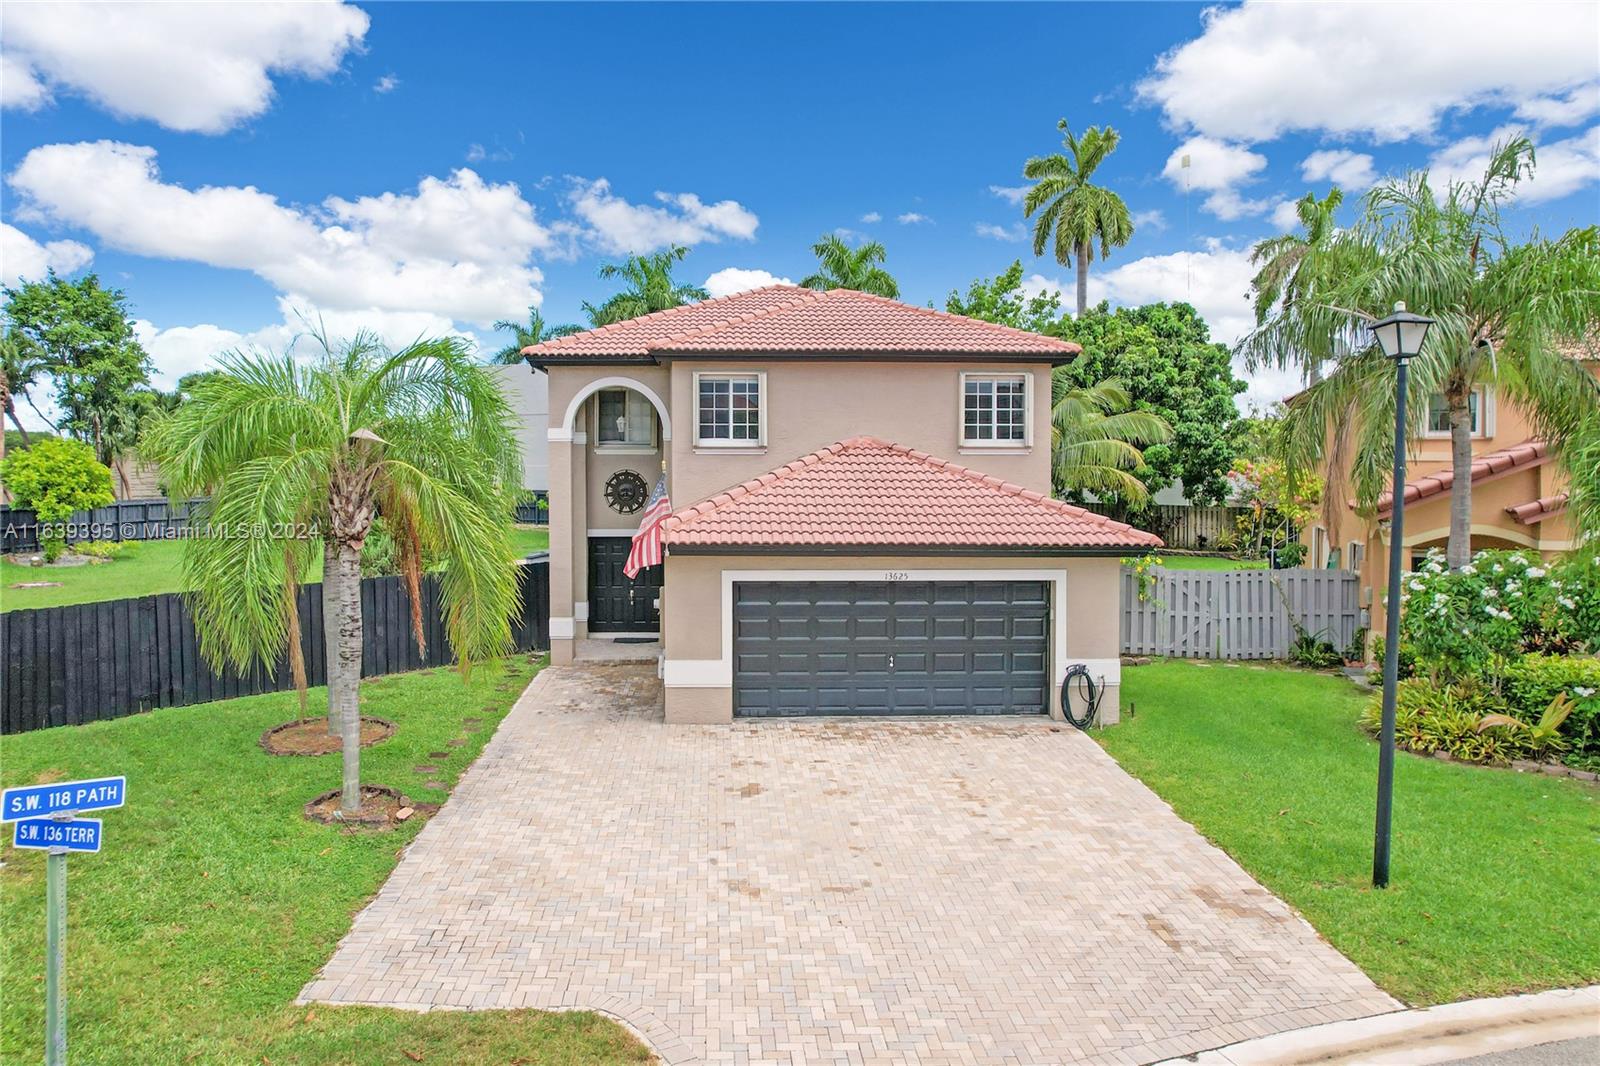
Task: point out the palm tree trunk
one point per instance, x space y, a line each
11 409
1458 552
341 612
1083 279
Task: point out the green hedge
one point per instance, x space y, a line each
1530 682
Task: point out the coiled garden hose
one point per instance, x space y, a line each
1089 692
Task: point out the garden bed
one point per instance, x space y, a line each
310 736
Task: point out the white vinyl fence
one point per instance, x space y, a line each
1236 614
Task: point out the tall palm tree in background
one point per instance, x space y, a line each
1095 440
21 364
1080 215
311 454
1501 310
651 287
1277 283
840 266
528 335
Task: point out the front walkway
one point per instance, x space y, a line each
832 891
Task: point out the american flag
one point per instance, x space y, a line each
647 542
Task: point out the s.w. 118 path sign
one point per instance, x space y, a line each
46 819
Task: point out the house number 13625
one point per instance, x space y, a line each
896 575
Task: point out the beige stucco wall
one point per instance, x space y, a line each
699 689
813 404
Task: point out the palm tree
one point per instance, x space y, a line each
528 335
1080 214
1499 306
1095 439
21 364
651 287
1277 283
306 456
843 267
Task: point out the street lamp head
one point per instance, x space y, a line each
1401 334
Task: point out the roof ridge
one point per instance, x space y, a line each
801 298
665 312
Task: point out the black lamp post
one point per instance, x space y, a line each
1401 336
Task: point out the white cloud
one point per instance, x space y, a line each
1351 171
195 67
1389 72
730 280
1152 219
912 218
1014 232
23 257
1567 110
871 216
620 227
1011 194
386 84
179 350
1216 168
457 247
1285 217
1563 167
19 87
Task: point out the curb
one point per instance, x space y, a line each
1445 1033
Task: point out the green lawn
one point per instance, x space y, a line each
1494 872
1211 562
214 900
144 569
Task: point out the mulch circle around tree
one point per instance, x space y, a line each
381 808
310 736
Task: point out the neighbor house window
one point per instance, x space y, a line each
625 418
1439 414
730 409
994 409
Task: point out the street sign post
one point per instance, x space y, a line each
46 819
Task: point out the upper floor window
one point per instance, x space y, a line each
625 418
1439 413
730 409
994 409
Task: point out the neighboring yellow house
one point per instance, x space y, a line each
1519 497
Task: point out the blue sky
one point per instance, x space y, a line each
425 167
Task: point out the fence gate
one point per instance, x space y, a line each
1236 614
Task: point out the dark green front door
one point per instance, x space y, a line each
616 604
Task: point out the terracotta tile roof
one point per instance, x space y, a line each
1538 510
867 492
789 319
1529 453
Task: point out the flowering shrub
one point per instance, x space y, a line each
1530 682
1501 604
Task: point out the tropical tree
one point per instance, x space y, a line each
1501 309
21 364
840 266
1095 439
1277 281
1002 301
304 457
84 336
528 335
1079 214
651 287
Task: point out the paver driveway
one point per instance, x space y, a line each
832 891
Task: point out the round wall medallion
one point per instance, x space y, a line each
626 492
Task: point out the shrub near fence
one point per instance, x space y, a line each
89 661
1236 614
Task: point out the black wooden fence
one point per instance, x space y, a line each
156 518
89 661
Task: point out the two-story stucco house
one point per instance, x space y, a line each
1519 495
863 521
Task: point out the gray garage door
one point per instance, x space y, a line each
904 647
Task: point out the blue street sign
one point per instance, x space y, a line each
79 834
63 797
